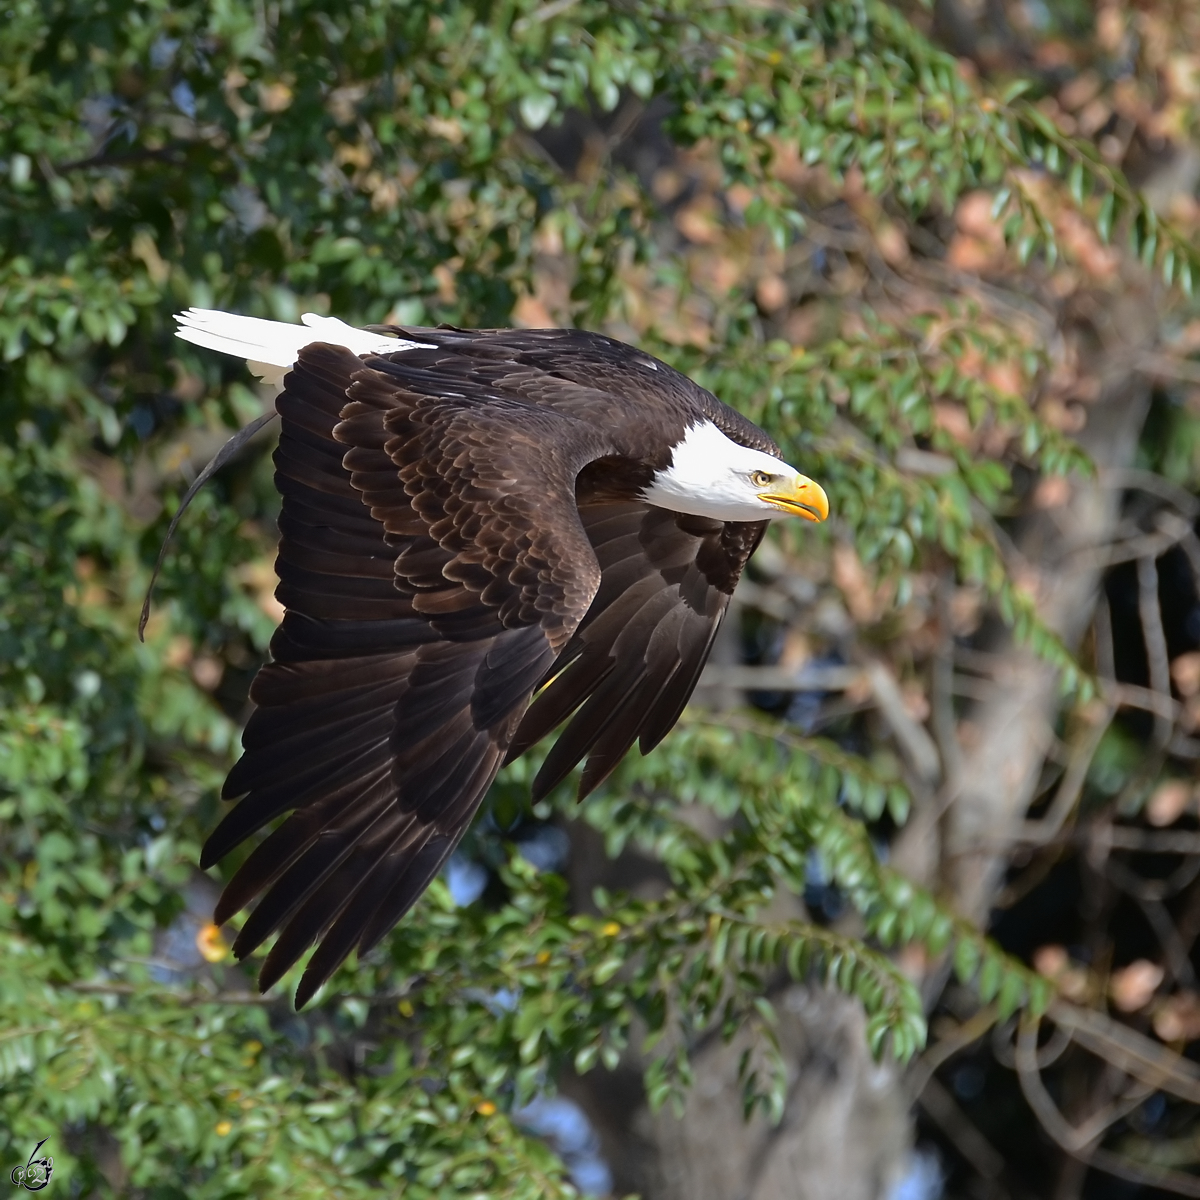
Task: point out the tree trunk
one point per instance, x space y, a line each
1000 772
846 1130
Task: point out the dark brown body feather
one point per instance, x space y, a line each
460 525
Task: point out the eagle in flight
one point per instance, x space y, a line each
483 533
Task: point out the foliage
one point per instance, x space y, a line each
374 161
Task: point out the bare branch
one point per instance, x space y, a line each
1156 642
1073 780
1133 478
1168 936
193 998
1132 1052
1163 366
945 1048
914 740
942 1108
942 691
1081 1142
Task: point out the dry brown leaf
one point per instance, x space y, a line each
530 313
851 579
446 127
698 222
1054 963
178 652
258 576
447 288
718 273
974 218
1183 76
274 97
1051 961
916 703
1094 117
548 238
1185 673
1177 1019
953 419
1054 54
771 293
207 672
1084 245
1168 802
966 610
1066 418
1133 987
1006 376
666 184
1080 90
355 155
739 197
892 243
789 168
1052 491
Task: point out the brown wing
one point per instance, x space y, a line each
433 565
642 404
636 657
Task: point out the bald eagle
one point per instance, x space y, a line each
483 533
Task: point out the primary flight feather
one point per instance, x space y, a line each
470 518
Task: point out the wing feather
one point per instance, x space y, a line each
636 657
614 695
378 903
424 603
315 851
439 569
339 781
297 755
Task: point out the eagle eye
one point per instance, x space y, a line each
761 478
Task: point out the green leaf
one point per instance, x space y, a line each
1011 995
1077 181
607 969
966 959
1106 217
1015 90
536 109
991 975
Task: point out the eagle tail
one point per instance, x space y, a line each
270 348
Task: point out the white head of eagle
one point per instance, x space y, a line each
712 476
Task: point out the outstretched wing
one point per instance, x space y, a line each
433 565
635 659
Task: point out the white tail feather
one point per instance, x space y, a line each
270 348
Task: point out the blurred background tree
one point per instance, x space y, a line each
946 256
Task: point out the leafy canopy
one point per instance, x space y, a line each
378 159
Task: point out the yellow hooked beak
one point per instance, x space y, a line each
803 499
